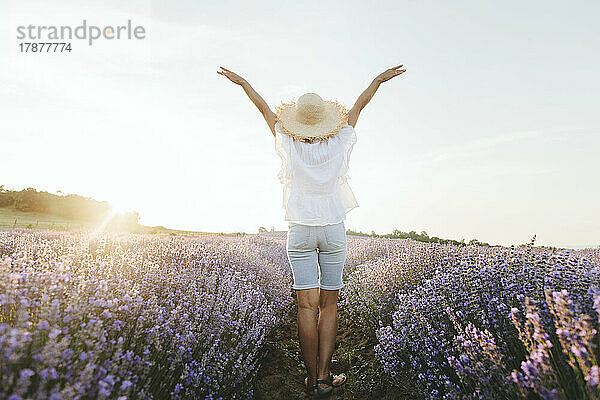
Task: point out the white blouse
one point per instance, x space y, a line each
315 177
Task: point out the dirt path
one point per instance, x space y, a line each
282 373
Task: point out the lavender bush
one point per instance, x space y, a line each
390 269
135 316
454 333
87 315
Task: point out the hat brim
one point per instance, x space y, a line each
336 116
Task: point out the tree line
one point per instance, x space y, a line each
420 237
70 206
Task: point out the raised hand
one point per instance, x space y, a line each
232 76
390 73
368 93
258 101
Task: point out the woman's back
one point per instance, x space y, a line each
314 175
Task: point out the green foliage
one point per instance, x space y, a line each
70 207
422 237
30 200
6 197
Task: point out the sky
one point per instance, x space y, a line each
492 133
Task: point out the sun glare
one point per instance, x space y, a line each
120 207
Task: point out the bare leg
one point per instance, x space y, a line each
308 302
327 328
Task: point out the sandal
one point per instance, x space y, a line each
311 390
329 383
331 376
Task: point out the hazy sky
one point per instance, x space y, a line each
492 133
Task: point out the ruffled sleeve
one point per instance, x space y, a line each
283 149
348 139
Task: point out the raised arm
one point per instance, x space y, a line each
366 96
258 101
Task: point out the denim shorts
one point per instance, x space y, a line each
317 255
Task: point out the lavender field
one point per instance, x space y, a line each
133 316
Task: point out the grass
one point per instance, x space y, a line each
11 218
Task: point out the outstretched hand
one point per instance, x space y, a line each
258 101
390 73
232 76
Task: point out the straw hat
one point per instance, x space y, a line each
310 118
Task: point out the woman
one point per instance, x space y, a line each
314 139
